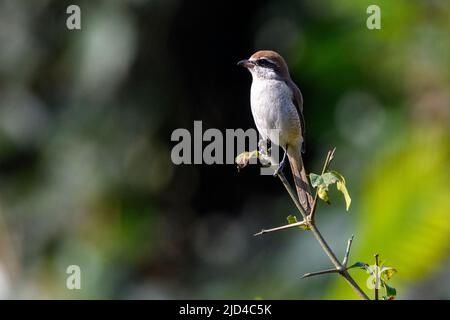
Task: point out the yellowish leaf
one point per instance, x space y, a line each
342 188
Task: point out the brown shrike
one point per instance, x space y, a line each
277 106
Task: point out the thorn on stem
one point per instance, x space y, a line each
311 274
347 251
286 226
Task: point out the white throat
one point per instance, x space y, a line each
261 73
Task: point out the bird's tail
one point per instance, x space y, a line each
300 177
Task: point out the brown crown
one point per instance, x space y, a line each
275 57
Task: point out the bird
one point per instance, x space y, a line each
277 108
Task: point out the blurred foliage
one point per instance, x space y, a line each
405 206
85 124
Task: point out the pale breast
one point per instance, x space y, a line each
273 110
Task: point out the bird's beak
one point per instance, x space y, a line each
245 63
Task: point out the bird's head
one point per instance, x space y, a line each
266 64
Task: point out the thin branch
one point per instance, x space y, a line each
308 220
328 159
347 251
325 247
311 274
292 194
287 226
342 271
377 277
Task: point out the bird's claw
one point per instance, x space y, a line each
279 169
264 146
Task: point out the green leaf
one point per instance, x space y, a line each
360 265
390 292
338 176
329 178
322 192
387 273
341 187
340 184
291 219
316 180
321 182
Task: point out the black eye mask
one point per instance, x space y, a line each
265 63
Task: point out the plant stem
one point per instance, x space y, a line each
326 248
287 226
310 223
292 194
347 251
317 273
377 277
339 267
330 156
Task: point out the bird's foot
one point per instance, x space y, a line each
264 146
279 169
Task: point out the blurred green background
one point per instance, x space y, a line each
85 170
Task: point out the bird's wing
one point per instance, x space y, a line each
297 99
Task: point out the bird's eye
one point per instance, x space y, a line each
265 63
